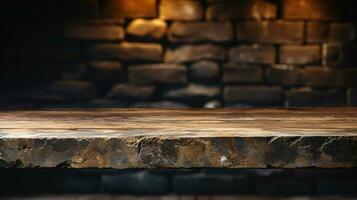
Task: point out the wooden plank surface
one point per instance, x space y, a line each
176 138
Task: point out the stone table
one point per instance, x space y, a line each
177 138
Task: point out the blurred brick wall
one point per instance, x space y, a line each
178 53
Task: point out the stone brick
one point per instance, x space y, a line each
317 32
200 31
204 71
283 74
257 95
252 54
129 9
312 9
126 51
83 32
300 55
233 73
191 53
158 73
105 71
246 9
128 91
192 93
352 97
211 184
272 32
134 183
328 77
181 10
154 28
308 97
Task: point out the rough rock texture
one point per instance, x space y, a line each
192 92
129 9
252 54
276 32
190 53
140 138
129 91
205 71
243 9
158 73
126 51
155 28
94 32
181 10
198 32
242 74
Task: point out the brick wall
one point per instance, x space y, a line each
178 53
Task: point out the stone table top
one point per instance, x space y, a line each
179 138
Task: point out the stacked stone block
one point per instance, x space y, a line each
181 53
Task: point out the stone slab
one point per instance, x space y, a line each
175 138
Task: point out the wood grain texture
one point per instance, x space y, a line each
175 138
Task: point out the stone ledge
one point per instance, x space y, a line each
158 138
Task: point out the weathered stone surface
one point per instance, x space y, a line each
309 97
128 91
283 74
243 9
98 32
192 92
125 138
181 10
200 31
126 51
191 53
105 71
312 9
155 28
257 95
319 32
300 55
158 73
271 32
204 71
252 54
242 73
129 9
327 77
